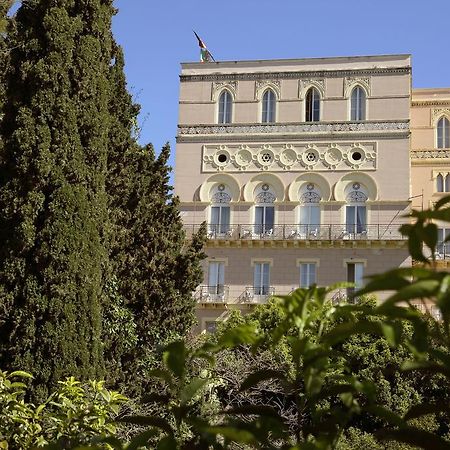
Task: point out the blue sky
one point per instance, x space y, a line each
157 36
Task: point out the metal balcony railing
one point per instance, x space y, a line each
218 293
329 232
253 294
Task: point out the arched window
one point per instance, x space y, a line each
225 107
220 211
358 104
264 210
310 197
443 133
312 112
440 183
268 106
355 210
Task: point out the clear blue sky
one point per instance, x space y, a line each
157 36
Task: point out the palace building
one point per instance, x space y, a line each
304 170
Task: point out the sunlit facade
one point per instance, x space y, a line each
301 169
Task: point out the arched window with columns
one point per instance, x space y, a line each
268 106
356 196
225 107
219 223
358 104
264 209
309 197
443 133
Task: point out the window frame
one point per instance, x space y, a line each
310 108
228 108
443 141
361 104
267 114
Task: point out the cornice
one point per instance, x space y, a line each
294 75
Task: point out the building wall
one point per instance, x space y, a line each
331 154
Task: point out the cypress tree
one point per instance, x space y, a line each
155 268
53 204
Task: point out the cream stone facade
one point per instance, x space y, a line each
430 154
301 169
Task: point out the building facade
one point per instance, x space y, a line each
430 156
301 169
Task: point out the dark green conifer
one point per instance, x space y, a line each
53 204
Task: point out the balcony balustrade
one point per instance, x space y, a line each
212 294
330 232
258 294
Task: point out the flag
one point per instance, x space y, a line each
205 55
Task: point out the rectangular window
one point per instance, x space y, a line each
261 279
442 247
355 274
264 219
309 220
307 274
220 219
355 219
216 280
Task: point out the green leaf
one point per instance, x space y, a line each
242 334
167 443
20 373
162 375
427 408
189 391
261 375
386 414
141 440
174 357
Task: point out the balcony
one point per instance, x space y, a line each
212 294
256 294
330 232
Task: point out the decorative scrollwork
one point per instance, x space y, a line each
265 197
356 197
310 197
221 197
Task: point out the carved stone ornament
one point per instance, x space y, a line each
304 85
437 113
218 86
296 157
350 82
262 85
333 127
430 154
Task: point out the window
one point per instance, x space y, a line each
307 274
309 196
443 133
442 247
264 210
261 279
443 182
358 104
220 219
268 106
355 211
312 112
264 219
355 218
355 274
216 280
225 107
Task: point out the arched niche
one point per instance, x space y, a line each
369 183
269 178
304 178
220 178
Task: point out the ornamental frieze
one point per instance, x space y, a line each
189 130
279 157
437 113
430 154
